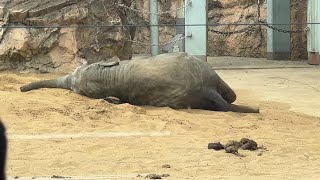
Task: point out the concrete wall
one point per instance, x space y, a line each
247 44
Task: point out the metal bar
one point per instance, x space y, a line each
148 25
312 27
154 28
317 26
317 19
313 33
180 18
180 12
180 30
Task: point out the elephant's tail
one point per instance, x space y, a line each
62 82
244 109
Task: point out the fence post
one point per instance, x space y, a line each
196 20
317 36
279 44
154 28
313 33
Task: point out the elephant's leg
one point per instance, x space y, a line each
218 103
226 92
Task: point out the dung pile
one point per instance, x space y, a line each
233 146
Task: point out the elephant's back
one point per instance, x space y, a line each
172 67
167 64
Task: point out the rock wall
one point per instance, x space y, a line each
63 48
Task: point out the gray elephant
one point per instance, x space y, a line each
175 80
3 150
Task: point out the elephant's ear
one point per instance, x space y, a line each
109 64
114 61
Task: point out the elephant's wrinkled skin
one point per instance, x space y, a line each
175 80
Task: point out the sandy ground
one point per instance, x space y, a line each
57 132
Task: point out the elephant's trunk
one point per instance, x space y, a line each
62 82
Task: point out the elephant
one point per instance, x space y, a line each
3 150
175 80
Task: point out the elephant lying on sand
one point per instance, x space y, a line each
175 80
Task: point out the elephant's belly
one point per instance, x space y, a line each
178 99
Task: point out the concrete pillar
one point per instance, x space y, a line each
154 29
197 41
279 44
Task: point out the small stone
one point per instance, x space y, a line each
166 166
16 177
216 146
153 176
58 177
165 175
262 147
260 154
